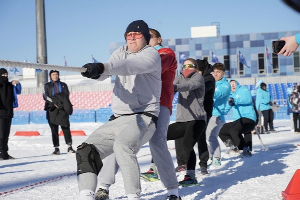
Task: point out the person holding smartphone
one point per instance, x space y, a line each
291 44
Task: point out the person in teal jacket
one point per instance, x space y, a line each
244 119
264 103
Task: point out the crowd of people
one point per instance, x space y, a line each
142 104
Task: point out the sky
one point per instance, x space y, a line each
78 29
35 174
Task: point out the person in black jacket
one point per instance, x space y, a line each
8 101
55 95
205 69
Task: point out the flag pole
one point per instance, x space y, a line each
178 63
238 63
266 62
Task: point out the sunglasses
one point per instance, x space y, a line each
187 66
135 35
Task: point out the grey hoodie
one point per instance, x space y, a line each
138 80
190 98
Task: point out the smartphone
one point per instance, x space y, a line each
277 46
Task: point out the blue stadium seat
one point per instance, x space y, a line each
38 117
83 115
103 114
20 118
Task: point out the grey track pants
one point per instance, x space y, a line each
124 137
160 153
212 132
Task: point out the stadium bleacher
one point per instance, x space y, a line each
94 106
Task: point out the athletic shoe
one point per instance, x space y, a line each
150 175
56 152
273 131
203 170
173 197
188 181
209 162
216 162
246 152
71 150
234 150
102 194
180 168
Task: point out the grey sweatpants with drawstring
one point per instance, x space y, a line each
159 151
124 137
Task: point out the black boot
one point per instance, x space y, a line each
71 150
56 151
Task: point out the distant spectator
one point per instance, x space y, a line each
295 102
263 104
8 101
55 92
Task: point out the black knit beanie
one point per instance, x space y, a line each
200 65
139 26
52 71
2 71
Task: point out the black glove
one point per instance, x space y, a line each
231 101
93 70
271 103
298 88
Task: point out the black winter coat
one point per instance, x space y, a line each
210 85
6 98
60 115
48 91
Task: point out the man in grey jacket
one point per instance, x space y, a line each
135 105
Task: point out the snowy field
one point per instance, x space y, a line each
36 174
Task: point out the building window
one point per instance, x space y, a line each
275 63
227 62
261 63
241 69
296 61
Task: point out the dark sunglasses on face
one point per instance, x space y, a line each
135 35
188 66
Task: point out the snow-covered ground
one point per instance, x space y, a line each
36 174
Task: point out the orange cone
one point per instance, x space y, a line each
74 133
292 191
27 133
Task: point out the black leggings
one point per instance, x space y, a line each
190 132
234 131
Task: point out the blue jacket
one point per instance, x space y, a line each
222 92
17 90
263 98
298 38
243 103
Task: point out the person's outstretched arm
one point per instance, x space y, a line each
291 44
